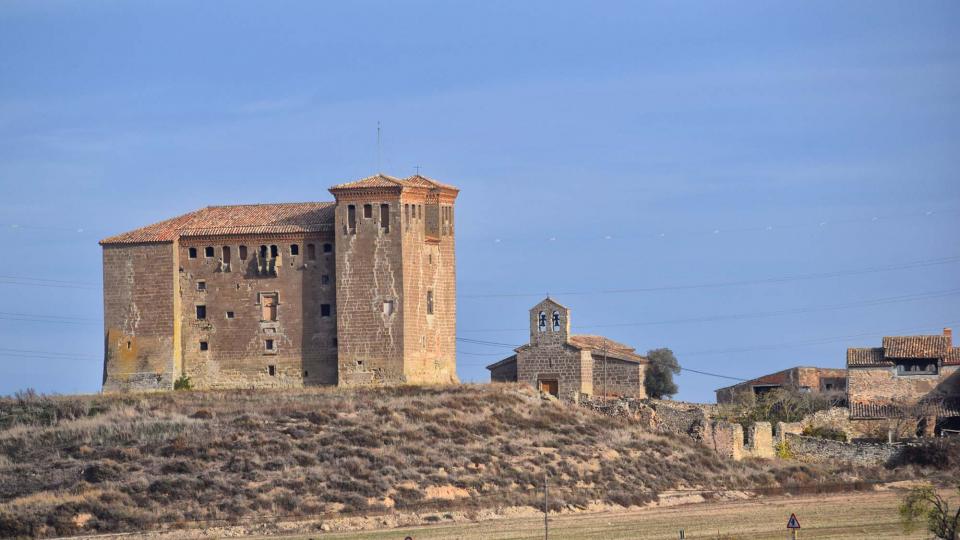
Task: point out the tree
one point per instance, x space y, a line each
658 380
924 502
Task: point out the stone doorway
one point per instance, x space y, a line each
550 386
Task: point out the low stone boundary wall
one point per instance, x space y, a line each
814 449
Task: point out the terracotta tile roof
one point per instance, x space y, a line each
952 358
236 219
600 344
942 407
386 181
418 180
915 346
376 181
867 356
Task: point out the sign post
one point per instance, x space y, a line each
793 525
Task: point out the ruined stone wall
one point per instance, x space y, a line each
759 440
615 377
302 351
429 270
680 418
813 449
726 439
882 385
138 307
369 270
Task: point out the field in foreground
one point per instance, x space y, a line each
859 515
178 460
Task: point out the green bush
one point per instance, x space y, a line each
823 432
183 383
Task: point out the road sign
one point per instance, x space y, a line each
792 523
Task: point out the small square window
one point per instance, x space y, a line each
272 370
201 313
243 253
294 249
204 346
229 314
268 344
324 310
388 307
325 279
334 342
306 374
328 248
192 253
367 211
311 252
208 251
201 285
429 302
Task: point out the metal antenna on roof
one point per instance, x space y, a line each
378 146
417 167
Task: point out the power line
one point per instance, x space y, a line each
823 224
923 263
498 344
759 314
819 341
55 319
53 283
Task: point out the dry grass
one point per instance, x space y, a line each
188 458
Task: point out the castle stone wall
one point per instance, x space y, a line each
138 306
302 349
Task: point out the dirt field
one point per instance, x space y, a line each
870 515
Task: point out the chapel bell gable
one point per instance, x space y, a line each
549 321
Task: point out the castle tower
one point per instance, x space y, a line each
396 283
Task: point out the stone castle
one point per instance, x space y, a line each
360 291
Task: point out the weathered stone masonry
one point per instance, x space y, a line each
568 365
361 291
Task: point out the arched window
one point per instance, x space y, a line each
556 321
263 252
294 249
243 253
542 322
274 252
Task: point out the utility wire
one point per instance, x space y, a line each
498 344
759 314
923 263
53 283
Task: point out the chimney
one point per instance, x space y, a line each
948 333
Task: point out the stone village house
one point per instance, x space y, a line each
353 292
908 376
805 379
568 365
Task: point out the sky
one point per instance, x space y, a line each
754 185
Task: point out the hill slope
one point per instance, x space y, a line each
119 463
